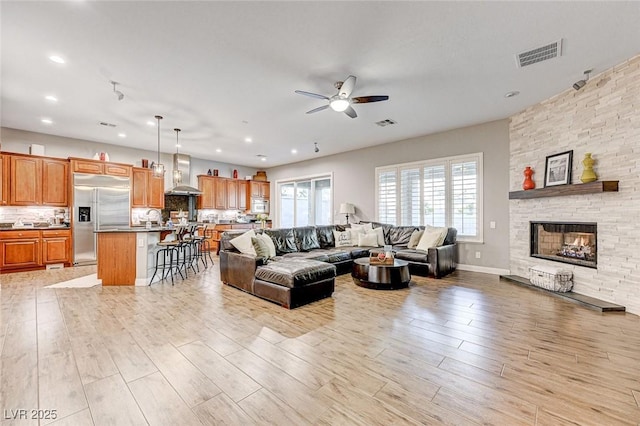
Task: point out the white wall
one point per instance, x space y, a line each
603 119
354 180
14 140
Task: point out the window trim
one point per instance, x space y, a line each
277 205
447 161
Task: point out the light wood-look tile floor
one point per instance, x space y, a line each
467 349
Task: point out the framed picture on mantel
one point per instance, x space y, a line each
557 170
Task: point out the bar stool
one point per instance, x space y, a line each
202 247
166 261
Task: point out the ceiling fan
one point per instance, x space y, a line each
341 101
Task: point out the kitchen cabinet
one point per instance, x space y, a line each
243 188
259 189
34 249
38 181
147 190
206 185
97 167
19 249
232 194
220 191
214 233
56 246
4 180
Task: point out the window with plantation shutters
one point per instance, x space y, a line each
387 194
440 192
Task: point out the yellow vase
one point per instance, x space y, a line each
588 175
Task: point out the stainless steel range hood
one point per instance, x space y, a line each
182 162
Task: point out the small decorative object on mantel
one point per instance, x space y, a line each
557 169
588 175
528 182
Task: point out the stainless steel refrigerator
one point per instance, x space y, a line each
99 202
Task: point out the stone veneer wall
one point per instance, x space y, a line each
603 118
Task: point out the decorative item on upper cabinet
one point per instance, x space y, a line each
235 174
528 181
215 172
588 175
145 163
209 172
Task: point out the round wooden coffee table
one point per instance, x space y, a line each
381 277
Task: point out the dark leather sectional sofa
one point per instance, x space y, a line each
308 251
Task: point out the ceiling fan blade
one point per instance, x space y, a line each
350 112
347 87
367 99
318 109
313 95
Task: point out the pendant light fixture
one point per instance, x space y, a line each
158 168
177 173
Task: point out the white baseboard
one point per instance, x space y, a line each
483 269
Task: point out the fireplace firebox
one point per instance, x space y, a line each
566 242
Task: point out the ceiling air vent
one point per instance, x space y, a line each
533 56
104 123
386 122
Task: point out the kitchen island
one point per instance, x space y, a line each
126 255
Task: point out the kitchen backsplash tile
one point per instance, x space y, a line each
29 214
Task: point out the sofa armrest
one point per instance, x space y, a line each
442 260
238 269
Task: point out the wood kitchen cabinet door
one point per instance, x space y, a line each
155 191
259 189
139 182
25 181
243 188
55 182
56 250
220 199
19 249
4 180
232 194
207 186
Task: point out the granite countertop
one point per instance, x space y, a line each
123 229
28 228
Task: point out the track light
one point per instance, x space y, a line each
581 83
118 93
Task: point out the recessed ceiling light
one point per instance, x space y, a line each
122 135
294 151
47 121
248 140
51 98
263 159
511 94
218 150
56 59
178 145
150 123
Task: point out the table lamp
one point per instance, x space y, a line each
347 208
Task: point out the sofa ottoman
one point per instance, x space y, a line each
294 282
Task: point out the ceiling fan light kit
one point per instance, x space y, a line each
342 101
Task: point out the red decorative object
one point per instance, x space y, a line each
235 174
528 182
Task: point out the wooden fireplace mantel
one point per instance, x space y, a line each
562 190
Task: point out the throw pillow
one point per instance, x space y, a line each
243 243
415 238
260 247
379 233
343 239
364 227
269 242
429 238
443 233
369 239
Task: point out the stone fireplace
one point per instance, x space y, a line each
566 242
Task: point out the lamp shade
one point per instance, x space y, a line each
347 208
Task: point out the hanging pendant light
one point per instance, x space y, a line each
158 168
177 173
